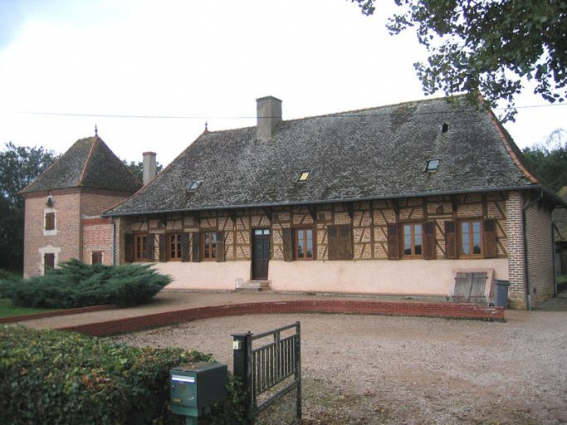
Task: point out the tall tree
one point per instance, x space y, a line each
549 159
19 166
490 47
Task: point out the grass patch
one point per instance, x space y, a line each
7 309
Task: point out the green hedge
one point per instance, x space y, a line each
75 284
51 377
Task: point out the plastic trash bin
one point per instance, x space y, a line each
501 298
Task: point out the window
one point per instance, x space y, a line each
174 247
195 185
50 221
470 238
304 176
209 245
432 165
413 240
304 244
96 257
48 262
140 248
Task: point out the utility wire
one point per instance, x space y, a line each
189 117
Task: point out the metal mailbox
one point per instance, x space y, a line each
196 387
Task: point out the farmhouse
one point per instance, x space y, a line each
412 199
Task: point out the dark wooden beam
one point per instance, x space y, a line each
396 206
268 213
350 210
454 203
312 211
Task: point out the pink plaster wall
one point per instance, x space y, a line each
412 277
207 275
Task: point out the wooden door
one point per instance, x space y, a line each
260 253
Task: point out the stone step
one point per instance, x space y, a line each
252 285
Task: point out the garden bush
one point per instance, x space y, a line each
75 284
53 377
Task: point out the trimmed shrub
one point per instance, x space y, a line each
75 284
56 377
6 275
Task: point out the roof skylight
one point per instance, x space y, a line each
304 176
195 185
432 165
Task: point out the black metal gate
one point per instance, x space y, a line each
269 371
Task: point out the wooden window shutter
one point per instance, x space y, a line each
220 247
150 246
429 240
333 247
450 240
288 244
196 247
346 242
340 242
129 248
184 247
162 248
490 239
393 242
50 221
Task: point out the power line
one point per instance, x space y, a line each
195 117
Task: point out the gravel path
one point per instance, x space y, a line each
403 370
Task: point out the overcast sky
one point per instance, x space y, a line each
68 65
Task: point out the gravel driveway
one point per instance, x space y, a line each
402 370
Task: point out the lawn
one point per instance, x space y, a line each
7 309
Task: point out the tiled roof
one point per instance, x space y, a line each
88 163
367 154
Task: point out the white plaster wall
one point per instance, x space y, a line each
205 275
410 277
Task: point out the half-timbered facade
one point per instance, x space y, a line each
396 200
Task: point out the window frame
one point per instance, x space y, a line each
173 246
211 249
143 256
413 254
304 230
471 222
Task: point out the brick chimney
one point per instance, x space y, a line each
269 115
149 166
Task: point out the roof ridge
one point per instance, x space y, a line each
87 162
349 112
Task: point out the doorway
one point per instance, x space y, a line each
260 253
